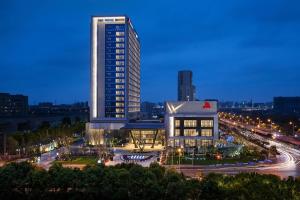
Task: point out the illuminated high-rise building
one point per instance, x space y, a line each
115 72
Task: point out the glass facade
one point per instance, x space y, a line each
189 131
114 81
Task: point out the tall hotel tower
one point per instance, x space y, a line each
115 72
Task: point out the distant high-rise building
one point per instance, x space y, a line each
115 72
287 105
186 89
12 105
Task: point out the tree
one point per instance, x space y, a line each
273 150
66 122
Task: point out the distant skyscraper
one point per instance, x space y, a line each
115 70
186 89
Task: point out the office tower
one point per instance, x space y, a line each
186 89
115 70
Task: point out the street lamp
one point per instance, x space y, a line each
270 121
293 126
179 152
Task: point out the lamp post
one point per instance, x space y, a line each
172 155
270 121
293 126
179 152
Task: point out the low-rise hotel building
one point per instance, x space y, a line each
191 124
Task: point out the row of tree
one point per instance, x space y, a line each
28 141
129 181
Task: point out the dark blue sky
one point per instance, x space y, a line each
237 50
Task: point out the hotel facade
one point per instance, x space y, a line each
115 74
191 124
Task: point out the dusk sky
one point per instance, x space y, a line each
237 50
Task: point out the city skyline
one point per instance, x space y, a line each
239 48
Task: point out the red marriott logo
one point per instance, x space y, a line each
206 105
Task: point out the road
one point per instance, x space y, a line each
48 158
288 162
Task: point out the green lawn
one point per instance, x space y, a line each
89 160
208 161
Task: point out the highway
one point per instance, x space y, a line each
288 162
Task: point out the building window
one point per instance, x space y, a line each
189 143
177 123
207 123
206 143
120 57
119 98
120 51
120 45
120 86
119 104
206 132
118 92
119 116
118 63
120 81
120 69
190 132
190 123
119 75
177 132
120 39
120 33
177 142
119 110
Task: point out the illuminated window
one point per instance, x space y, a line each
120 39
190 132
120 51
119 116
119 104
177 132
120 57
120 86
119 98
120 81
120 33
118 63
190 143
190 123
119 20
119 110
206 143
177 123
176 142
120 69
206 132
119 74
118 92
207 123
120 45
